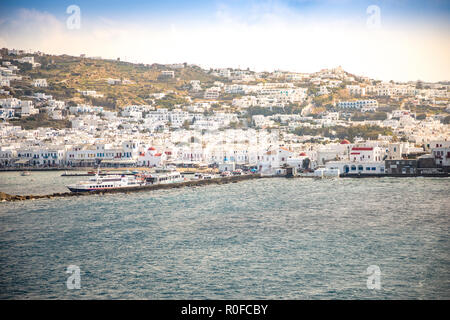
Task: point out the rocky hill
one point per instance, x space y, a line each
67 76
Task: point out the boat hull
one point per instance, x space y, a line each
75 189
72 189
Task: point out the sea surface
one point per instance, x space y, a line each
261 239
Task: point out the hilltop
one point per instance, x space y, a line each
68 75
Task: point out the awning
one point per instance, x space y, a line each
122 161
22 161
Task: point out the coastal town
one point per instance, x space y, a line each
66 112
216 151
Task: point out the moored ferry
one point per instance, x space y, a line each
110 182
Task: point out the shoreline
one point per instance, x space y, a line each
4 197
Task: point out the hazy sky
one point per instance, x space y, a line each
388 40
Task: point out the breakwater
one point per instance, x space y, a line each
189 183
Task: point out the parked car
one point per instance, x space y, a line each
225 174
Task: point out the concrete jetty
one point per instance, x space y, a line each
223 180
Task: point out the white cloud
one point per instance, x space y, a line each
270 38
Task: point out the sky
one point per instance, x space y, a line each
400 40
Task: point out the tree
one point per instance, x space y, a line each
419 84
234 124
26 66
305 163
186 124
446 120
421 116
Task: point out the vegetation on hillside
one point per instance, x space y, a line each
362 116
349 133
40 120
67 75
290 109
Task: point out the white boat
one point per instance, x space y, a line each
326 173
109 182
163 176
25 173
202 176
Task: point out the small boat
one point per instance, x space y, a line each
25 173
162 176
326 173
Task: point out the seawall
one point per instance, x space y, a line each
190 183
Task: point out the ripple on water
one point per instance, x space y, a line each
259 239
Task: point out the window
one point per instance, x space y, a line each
353 168
374 169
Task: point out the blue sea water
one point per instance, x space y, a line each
261 239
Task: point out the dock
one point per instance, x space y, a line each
190 183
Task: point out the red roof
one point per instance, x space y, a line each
157 154
151 148
362 148
345 141
302 154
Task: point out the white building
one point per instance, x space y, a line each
151 158
350 167
40 83
356 90
168 74
358 104
212 93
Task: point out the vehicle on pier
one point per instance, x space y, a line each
202 176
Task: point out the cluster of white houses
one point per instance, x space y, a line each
251 148
13 107
199 133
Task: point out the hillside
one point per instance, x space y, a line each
67 75
40 120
